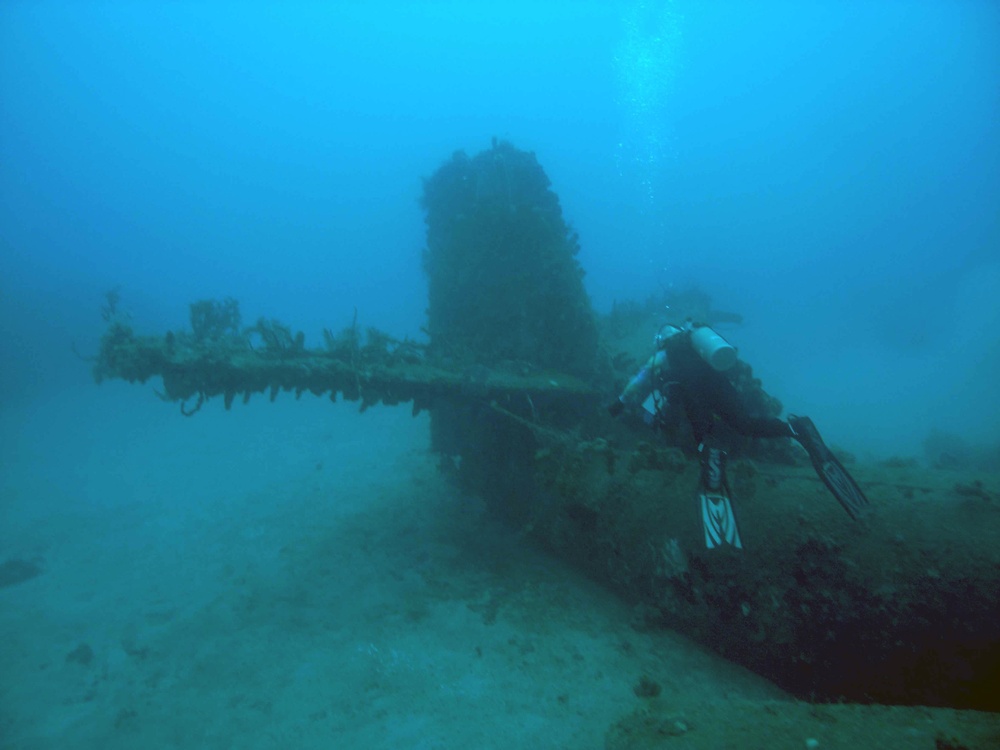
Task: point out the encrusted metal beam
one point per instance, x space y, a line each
231 369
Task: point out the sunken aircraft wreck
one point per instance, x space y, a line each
901 606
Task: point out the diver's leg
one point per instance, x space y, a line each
698 412
733 411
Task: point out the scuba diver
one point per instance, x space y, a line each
689 369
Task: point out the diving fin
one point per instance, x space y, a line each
717 516
830 470
719 521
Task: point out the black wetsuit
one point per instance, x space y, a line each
704 392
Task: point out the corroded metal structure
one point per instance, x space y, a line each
195 371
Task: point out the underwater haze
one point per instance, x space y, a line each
829 170
298 574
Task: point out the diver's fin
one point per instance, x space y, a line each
719 521
830 470
717 517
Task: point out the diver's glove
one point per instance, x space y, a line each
616 407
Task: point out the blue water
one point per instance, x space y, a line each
829 170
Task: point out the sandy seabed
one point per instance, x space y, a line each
298 575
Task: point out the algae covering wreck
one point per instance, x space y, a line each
901 607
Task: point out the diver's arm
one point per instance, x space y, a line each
640 386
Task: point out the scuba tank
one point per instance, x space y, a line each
712 348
